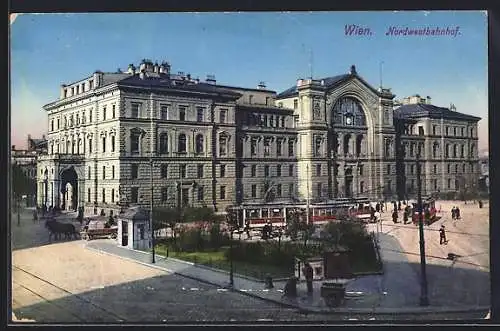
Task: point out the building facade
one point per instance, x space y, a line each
199 143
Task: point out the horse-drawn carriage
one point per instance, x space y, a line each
97 229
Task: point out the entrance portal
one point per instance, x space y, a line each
69 189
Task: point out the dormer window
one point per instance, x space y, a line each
91 84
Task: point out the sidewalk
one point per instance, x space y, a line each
366 294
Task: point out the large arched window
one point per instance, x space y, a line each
163 143
182 145
199 143
348 111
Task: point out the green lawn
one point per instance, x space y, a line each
217 260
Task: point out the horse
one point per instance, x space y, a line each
56 228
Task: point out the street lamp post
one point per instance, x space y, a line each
153 260
231 272
424 300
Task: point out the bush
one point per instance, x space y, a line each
191 240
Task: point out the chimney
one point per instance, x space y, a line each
156 68
262 86
429 100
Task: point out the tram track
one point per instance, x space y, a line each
70 294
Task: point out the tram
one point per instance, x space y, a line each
428 209
257 215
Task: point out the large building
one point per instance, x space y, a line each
215 145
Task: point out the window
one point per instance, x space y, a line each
462 151
317 146
318 169
253 170
462 132
435 184
91 84
113 172
463 168
449 168
163 143
182 113
389 186
89 172
90 116
181 146
199 143
456 168
454 131
279 145
449 183
361 168
201 193
113 111
199 114
65 93
134 142
77 89
266 171
278 170
264 120
223 145
278 191
164 171
223 116
361 187
135 195
135 110
447 151
104 113
58 123
295 104
164 112
472 132
290 170
420 130
267 143
182 170
250 98
455 152
222 192
271 121
222 170
112 143
103 172
388 169
254 191
104 195
291 190
164 194
52 125
88 195
447 130
318 189
253 147
435 169
135 171
200 171
282 122
103 144
434 130
291 148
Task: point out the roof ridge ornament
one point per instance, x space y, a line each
353 70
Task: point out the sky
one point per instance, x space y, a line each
243 49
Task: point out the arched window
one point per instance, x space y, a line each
223 139
163 143
348 111
199 143
182 146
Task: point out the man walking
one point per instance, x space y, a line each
308 273
395 216
442 236
453 213
405 215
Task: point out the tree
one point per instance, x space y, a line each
347 233
297 222
166 216
21 183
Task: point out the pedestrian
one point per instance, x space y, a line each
382 206
453 215
308 273
395 216
35 216
480 203
247 228
442 236
377 216
377 207
399 205
457 213
405 216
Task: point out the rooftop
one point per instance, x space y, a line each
419 110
